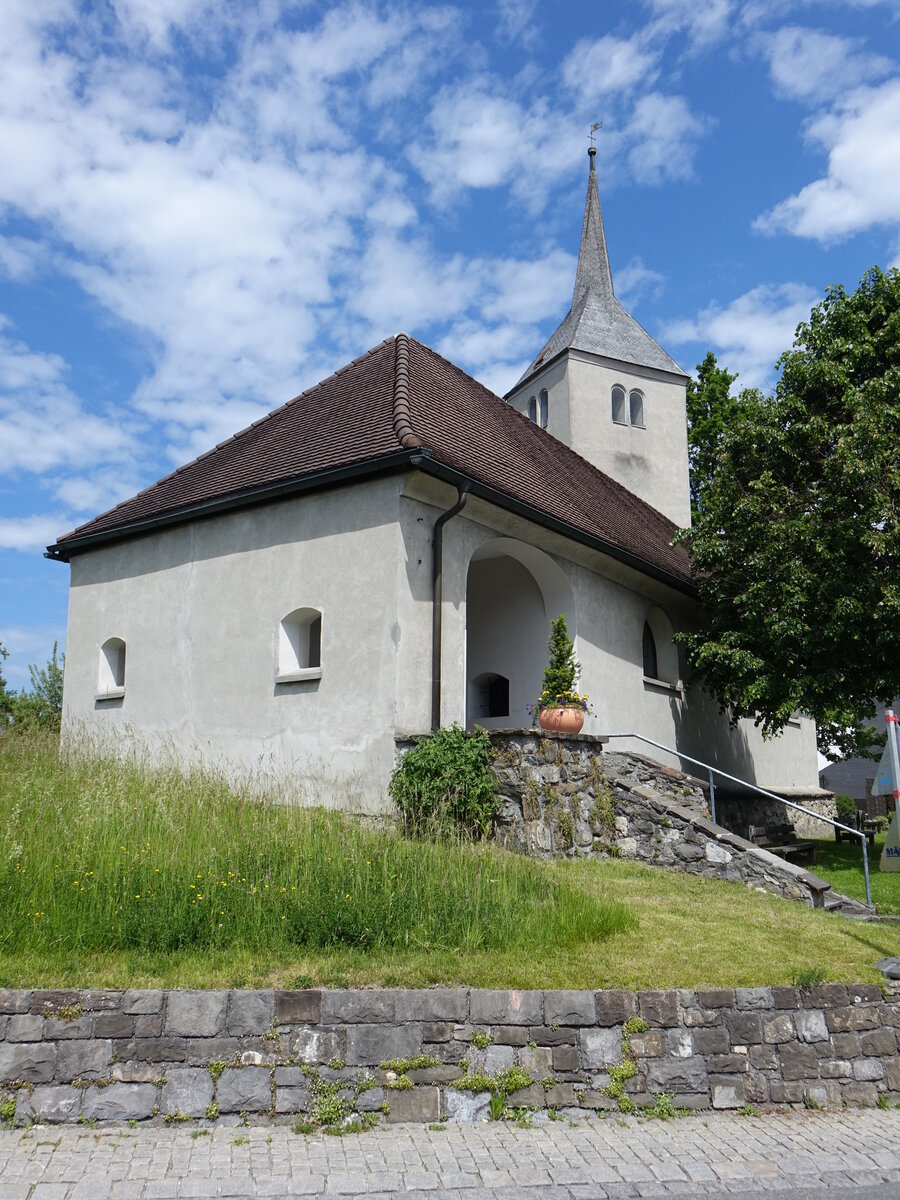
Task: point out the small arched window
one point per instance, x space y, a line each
111 672
618 405
651 667
636 408
542 409
300 646
532 408
659 652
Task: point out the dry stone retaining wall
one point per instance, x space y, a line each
564 794
144 1055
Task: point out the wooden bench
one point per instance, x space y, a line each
782 840
864 824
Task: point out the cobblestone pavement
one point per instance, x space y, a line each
853 1154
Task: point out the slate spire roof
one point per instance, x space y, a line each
402 407
597 322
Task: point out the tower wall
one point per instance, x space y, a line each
651 462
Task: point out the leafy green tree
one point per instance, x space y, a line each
796 543
43 703
710 411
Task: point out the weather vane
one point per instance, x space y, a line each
596 125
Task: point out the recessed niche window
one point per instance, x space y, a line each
111 673
542 409
619 414
492 695
532 408
659 654
636 408
300 646
651 668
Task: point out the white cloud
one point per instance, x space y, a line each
31 533
482 139
809 65
662 133
516 22
634 281
751 332
862 137
43 425
600 66
28 644
19 258
704 23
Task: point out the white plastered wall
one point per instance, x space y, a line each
199 608
611 603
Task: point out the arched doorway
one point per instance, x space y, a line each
513 591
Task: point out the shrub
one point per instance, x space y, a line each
445 782
846 807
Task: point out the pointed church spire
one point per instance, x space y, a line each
593 273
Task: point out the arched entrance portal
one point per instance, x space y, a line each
513 591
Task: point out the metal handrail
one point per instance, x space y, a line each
753 788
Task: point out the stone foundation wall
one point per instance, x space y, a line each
565 795
739 812
332 1056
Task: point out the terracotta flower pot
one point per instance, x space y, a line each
562 720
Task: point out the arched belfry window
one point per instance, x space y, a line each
627 410
619 414
111 670
300 646
636 408
651 666
542 409
532 408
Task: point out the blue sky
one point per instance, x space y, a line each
206 207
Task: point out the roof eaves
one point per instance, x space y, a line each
63 550
431 466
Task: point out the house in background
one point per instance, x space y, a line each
385 553
855 776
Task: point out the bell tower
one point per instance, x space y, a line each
603 386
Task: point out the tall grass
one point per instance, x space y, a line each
103 855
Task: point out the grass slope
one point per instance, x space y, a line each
114 875
841 865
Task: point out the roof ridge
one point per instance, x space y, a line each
406 435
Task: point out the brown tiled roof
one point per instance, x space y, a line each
404 399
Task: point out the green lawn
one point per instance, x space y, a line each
114 875
841 865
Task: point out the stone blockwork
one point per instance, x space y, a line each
330 1056
563 794
740 812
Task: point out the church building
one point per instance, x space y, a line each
384 554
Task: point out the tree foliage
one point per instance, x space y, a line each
42 703
796 535
710 411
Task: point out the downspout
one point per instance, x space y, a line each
437 586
